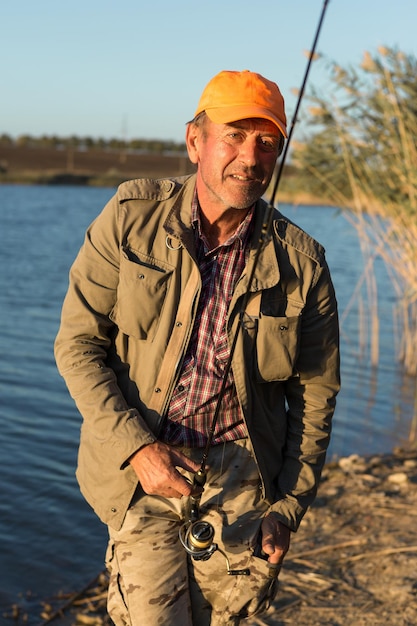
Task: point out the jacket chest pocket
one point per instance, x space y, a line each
277 347
141 294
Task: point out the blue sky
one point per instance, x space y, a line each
130 69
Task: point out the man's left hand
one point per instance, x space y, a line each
275 539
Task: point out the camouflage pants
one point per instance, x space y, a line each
153 580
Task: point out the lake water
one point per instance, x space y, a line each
50 539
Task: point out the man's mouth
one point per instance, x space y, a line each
244 179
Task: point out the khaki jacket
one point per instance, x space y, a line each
126 322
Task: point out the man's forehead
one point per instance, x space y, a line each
256 123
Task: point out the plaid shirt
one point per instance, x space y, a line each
194 399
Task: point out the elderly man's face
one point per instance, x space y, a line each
235 161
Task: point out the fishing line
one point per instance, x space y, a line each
200 475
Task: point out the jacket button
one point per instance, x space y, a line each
157 390
282 227
178 324
113 510
282 327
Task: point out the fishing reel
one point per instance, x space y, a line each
196 535
197 539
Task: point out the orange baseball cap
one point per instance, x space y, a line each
232 96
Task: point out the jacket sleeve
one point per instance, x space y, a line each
311 400
84 338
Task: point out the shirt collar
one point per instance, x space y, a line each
242 232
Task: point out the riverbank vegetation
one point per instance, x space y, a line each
361 154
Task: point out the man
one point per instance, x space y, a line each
153 306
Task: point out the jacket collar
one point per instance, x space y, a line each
178 225
267 272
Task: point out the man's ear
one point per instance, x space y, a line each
192 137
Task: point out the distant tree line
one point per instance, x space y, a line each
75 142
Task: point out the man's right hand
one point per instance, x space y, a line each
156 467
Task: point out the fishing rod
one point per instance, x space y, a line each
200 475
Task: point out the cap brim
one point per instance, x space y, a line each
226 115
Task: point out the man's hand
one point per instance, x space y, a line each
155 466
275 539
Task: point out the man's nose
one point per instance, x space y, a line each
248 152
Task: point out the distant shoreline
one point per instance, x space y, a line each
51 166
26 165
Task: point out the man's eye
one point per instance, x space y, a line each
269 144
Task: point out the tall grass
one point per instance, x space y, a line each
364 158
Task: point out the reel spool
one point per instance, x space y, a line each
197 540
